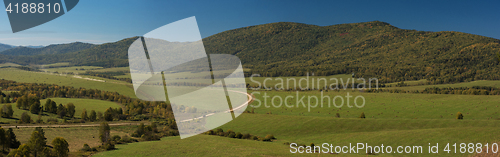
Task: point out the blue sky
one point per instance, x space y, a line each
100 21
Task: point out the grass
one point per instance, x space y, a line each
73 69
380 105
56 64
66 80
288 81
80 104
490 83
9 65
342 131
201 145
320 125
319 130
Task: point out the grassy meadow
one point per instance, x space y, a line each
395 119
67 80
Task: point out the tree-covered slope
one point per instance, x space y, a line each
105 55
370 49
51 49
4 47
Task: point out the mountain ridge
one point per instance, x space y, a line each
51 49
4 47
368 49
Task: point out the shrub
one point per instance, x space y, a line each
270 137
239 135
362 115
231 135
254 138
86 148
109 146
116 138
52 120
219 130
221 134
460 115
312 145
246 136
210 132
127 139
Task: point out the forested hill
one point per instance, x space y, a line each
4 47
51 49
105 55
370 49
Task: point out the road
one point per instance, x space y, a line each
250 98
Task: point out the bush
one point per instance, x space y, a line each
254 138
362 115
116 138
460 115
270 137
246 136
126 139
109 146
239 135
52 120
231 135
86 148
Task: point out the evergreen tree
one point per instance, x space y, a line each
3 139
60 147
37 142
11 139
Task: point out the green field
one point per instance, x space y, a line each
290 82
72 69
9 65
490 83
391 119
395 119
380 105
80 104
201 145
67 80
